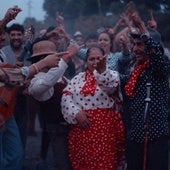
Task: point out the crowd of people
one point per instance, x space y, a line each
102 100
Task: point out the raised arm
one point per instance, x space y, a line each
10 15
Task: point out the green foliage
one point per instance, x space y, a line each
52 6
91 23
88 15
154 4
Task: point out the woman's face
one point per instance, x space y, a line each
105 42
93 58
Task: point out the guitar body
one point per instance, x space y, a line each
7 98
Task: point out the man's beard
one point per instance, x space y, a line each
141 57
16 46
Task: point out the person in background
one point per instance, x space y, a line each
9 16
61 39
79 38
96 136
105 41
42 32
90 40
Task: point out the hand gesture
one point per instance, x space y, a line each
51 60
137 21
12 13
29 34
59 18
72 49
152 23
9 16
60 32
83 119
126 20
101 64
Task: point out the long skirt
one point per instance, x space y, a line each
101 146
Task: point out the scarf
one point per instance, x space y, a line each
130 86
90 84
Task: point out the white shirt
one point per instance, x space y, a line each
73 101
41 86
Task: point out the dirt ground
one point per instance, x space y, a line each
32 151
33 148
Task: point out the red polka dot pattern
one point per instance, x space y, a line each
90 85
100 147
130 86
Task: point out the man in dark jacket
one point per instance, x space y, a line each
146 117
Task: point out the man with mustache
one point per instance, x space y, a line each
146 103
11 54
11 151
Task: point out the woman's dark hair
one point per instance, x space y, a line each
91 36
94 47
111 39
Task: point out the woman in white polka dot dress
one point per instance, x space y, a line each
96 137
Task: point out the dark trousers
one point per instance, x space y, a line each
157 155
56 136
21 116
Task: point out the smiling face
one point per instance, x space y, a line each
79 40
16 39
93 57
104 41
139 51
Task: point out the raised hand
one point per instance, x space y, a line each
72 49
29 34
9 16
101 64
59 18
137 21
51 60
152 23
12 13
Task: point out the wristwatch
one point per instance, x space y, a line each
145 36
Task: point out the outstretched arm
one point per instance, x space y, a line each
9 16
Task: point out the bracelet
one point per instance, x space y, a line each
145 36
68 56
36 68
